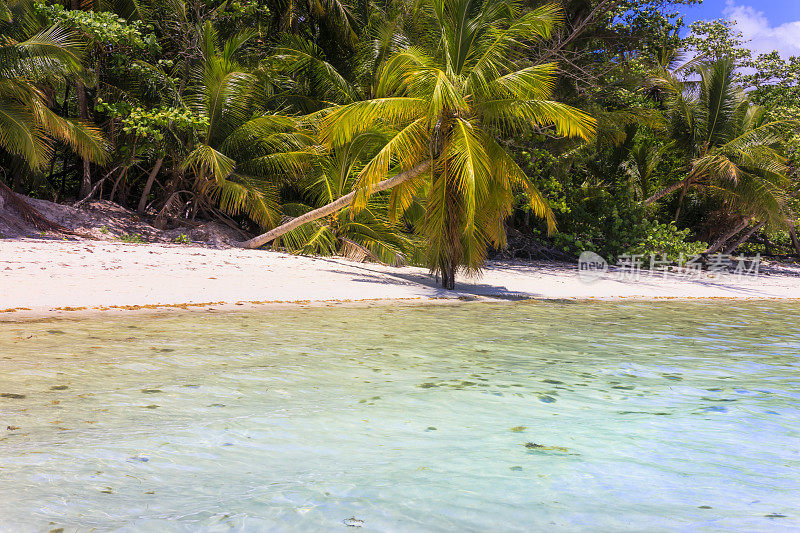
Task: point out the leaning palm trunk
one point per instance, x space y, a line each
732 248
666 190
719 243
680 200
334 206
11 202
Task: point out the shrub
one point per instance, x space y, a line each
132 237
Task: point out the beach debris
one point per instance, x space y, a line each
353 522
774 515
516 468
542 447
151 391
59 387
12 428
430 428
519 429
12 396
546 399
139 458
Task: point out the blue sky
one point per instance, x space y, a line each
768 24
775 11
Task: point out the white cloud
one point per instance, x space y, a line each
764 38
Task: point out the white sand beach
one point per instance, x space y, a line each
40 278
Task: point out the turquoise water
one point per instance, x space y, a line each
637 417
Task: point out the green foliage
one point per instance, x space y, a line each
141 122
250 111
665 241
363 234
717 39
104 229
102 27
182 239
624 229
449 100
136 238
30 57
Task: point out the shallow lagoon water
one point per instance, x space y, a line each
637 417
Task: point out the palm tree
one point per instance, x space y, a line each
239 159
444 105
27 125
29 61
363 235
731 150
313 17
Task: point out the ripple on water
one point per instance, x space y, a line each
524 416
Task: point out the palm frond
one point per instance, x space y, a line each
20 134
506 170
519 115
344 123
241 194
301 57
205 160
469 167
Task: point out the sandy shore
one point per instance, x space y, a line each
52 278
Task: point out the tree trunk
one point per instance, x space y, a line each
666 190
334 206
722 240
448 269
147 186
444 272
83 113
732 248
11 202
680 200
793 235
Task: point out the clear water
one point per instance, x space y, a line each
650 417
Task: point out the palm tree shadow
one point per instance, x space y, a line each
464 289
468 289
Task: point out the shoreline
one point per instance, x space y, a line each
42 279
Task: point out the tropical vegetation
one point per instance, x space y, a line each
432 132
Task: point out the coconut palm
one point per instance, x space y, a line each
313 17
28 62
363 235
240 158
31 58
444 105
307 81
731 149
